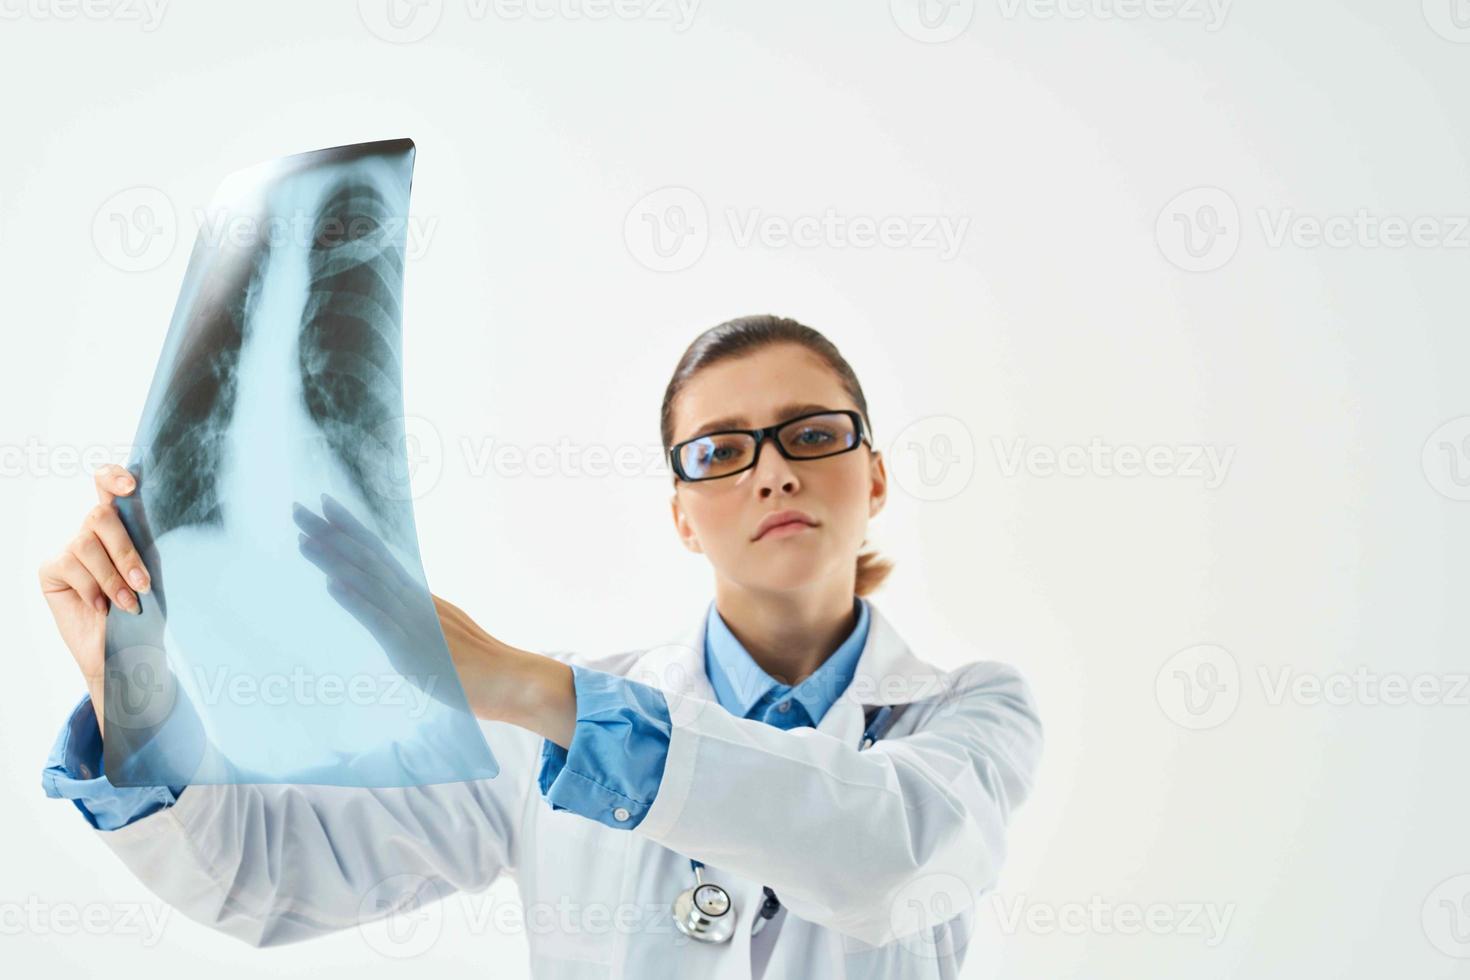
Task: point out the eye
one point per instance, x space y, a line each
814 436
711 449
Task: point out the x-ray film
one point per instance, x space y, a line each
289 635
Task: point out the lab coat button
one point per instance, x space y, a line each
620 814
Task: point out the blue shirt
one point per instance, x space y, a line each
74 772
611 771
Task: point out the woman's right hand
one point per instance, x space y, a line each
98 566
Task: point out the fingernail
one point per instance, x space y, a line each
124 598
139 580
125 483
100 603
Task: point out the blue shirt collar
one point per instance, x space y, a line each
740 683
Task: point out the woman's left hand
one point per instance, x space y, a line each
366 579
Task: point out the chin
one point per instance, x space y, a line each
784 573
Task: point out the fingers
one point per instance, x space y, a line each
353 548
66 571
103 547
322 554
343 518
108 527
379 624
112 481
344 560
87 548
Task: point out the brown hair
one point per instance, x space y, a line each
747 334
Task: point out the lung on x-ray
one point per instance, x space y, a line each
290 635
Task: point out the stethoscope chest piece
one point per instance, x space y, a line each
705 912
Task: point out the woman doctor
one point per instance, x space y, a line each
781 790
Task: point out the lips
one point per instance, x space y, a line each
780 518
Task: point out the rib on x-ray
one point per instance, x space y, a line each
289 635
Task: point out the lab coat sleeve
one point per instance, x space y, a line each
876 844
272 864
615 760
74 772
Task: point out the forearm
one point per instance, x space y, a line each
504 683
542 698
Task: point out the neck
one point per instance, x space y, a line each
789 634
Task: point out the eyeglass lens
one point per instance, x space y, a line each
723 453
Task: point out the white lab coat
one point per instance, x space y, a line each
878 855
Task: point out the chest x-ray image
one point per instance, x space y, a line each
290 636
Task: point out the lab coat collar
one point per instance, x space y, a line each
887 672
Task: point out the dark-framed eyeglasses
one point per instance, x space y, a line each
816 435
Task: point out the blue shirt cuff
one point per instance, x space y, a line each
612 769
74 772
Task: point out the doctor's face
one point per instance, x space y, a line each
721 518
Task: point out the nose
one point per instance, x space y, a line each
773 472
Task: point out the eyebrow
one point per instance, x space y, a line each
785 412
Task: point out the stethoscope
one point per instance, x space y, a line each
707 912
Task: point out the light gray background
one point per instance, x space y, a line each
1134 189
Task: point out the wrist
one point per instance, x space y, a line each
94 690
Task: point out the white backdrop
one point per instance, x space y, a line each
1160 310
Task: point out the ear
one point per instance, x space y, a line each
683 527
878 487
